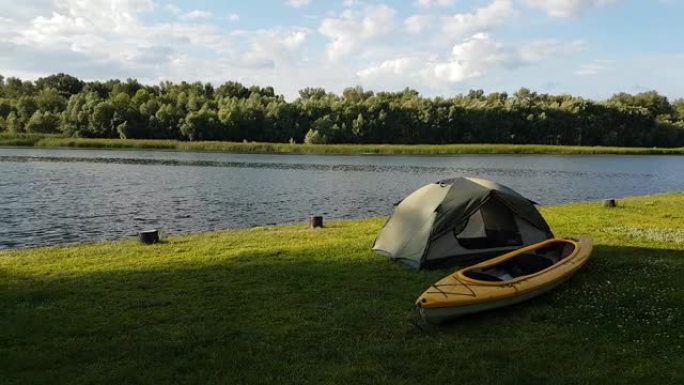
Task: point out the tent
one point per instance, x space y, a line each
459 220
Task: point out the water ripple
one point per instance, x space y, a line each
303 166
62 196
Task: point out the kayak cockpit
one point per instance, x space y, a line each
518 265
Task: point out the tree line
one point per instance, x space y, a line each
63 104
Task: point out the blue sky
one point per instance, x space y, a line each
592 48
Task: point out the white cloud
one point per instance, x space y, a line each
173 9
297 3
539 50
391 69
197 14
99 14
8 28
483 19
362 44
233 17
473 58
82 26
105 39
595 68
469 59
24 10
434 3
270 47
567 8
418 23
350 30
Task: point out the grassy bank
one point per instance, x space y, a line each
281 305
287 148
22 139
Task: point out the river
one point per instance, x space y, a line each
55 196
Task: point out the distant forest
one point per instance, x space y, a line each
63 104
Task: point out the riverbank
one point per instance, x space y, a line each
287 304
50 141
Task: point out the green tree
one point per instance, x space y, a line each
13 124
49 99
65 85
5 107
26 106
314 137
43 122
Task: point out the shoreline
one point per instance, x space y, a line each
288 226
43 141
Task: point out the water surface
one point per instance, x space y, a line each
53 196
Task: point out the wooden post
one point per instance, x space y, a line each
315 221
609 203
149 237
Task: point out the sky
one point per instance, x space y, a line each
590 48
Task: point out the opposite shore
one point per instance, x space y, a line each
51 141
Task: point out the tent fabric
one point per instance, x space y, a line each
467 195
407 232
459 217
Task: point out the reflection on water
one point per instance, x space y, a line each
58 196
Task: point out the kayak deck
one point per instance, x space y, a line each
504 280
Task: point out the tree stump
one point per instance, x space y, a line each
149 237
315 221
609 203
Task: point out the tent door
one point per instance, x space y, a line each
500 228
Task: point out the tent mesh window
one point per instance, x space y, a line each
499 227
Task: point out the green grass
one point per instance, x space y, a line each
7 139
289 305
287 148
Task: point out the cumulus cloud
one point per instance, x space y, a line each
390 70
351 29
468 60
539 50
31 62
104 39
482 19
566 8
24 10
594 68
268 47
434 3
197 14
297 3
8 28
472 58
173 9
74 16
418 23
365 42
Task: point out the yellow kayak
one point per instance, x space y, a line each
505 280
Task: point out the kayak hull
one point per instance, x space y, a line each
439 315
457 294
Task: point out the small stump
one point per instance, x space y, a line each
609 203
149 237
315 221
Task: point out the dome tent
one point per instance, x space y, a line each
459 219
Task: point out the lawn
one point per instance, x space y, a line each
290 305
